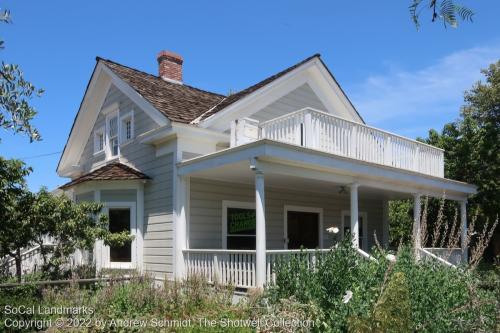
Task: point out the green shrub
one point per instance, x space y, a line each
420 296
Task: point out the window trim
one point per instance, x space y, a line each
99 131
109 115
122 131
232 204
133 231
364 215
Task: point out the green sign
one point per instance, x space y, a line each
240 221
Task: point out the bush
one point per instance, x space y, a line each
386 297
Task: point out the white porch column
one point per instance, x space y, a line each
354 215
417 241
260 237
463 220
180 225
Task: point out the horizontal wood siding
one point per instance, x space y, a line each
158 227
298 99
205 225
142 123
158 220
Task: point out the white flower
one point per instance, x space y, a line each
391 257
333 230
347 297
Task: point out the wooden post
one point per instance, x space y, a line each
416 225
260 237
354 215
463 220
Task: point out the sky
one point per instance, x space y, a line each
400 79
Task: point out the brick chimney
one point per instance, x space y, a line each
170 66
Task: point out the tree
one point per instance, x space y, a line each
444 10
27 218
16 112
69 225
472 150
13 236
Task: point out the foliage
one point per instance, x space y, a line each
472 154
16 112
391 313
138 299
400 221
28 218
445 10
423 295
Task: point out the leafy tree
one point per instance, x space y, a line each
400 221
13 236
445 10
472 153
472 143
16 112
27 218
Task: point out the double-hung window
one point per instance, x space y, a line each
113 140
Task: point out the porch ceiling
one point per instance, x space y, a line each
294 167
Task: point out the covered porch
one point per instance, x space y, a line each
293 194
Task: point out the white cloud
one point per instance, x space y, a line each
409 102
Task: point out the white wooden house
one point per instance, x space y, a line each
223 185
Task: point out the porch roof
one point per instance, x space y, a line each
317 170
112 171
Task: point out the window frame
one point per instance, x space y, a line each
133 231
123 140
99 131
109 116
233 204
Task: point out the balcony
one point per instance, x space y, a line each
324 132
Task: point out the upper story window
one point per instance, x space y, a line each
99 141
118 130
127 127
112 132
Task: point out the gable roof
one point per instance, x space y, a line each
112 171
239 95
178 102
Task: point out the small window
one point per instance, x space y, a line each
113 134
99 140
127 127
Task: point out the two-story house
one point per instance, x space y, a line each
223 185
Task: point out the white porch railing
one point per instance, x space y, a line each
451 257
322 131
227 267
237 267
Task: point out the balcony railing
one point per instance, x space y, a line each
322 131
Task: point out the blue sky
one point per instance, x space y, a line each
399 79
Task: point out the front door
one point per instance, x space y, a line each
303 230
